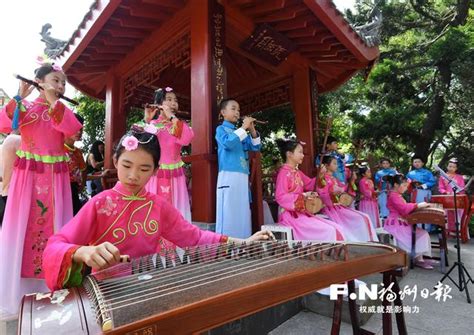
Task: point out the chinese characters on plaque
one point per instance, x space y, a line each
268 44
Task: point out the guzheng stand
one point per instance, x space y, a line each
442 244
462 271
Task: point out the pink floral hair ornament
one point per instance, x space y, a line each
168 89
130 143
44 59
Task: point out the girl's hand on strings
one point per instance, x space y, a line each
98 257
49 93
25 89
262 235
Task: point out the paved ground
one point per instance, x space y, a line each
453 317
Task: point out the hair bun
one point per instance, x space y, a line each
159 96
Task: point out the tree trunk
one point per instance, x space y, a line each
433 120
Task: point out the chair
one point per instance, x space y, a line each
281 232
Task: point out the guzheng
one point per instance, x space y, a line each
201 288
433 214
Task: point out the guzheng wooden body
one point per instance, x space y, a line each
206 287
433 215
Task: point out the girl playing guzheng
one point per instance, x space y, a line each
356 225
290 194
396 223
39 201
368 196
444 187
126 220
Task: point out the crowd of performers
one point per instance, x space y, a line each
47 241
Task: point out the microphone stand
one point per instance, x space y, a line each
462 271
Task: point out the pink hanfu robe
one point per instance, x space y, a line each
368 201
39 199
133 223
290 185
397 225
356 225
445 188
170 180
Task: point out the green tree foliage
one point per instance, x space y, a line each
281 123
93 112
419 97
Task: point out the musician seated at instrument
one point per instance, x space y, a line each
444 187
397 225
297 200
356 225
125 221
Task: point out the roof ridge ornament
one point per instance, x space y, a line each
370 32
54 46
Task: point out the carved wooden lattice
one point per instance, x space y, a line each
176 53
267 97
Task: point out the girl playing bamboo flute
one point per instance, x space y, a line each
173 133
39 200
126 221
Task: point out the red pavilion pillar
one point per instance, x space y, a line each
208 87
115 116
302 107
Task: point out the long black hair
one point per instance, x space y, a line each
96 152
146 141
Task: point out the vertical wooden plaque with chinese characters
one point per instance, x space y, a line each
314 108
217 53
